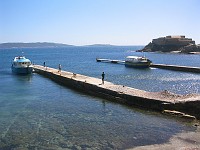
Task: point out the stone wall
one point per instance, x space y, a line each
173 40
172 43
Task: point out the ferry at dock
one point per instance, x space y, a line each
21 65
137 62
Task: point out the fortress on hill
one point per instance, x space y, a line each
173 40
170 43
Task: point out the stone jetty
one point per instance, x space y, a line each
161 66
159 101
177 68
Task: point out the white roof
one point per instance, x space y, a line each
133 57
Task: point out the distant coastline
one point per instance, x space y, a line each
51 45
100 45
32 45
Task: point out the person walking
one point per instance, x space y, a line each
103 76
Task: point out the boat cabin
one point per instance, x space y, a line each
135 59
21 61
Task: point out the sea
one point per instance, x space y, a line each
38 113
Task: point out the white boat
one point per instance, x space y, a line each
21 65
137 62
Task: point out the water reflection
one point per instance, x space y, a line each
22 77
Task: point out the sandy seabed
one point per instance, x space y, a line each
181 141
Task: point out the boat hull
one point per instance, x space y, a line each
22 70
138 64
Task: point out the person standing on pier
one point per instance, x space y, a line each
44 64
59 68
103 76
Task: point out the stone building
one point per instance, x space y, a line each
172 44
173 40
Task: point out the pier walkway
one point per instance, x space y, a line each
161 66
159 101
110 61
177 68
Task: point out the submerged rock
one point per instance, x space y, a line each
180 114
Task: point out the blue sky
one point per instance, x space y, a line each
83 22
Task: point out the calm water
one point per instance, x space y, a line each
37 113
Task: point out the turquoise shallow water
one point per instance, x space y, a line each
37 113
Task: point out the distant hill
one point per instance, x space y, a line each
32 45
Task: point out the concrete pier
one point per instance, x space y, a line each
161 66
159 101
110 61
177 68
